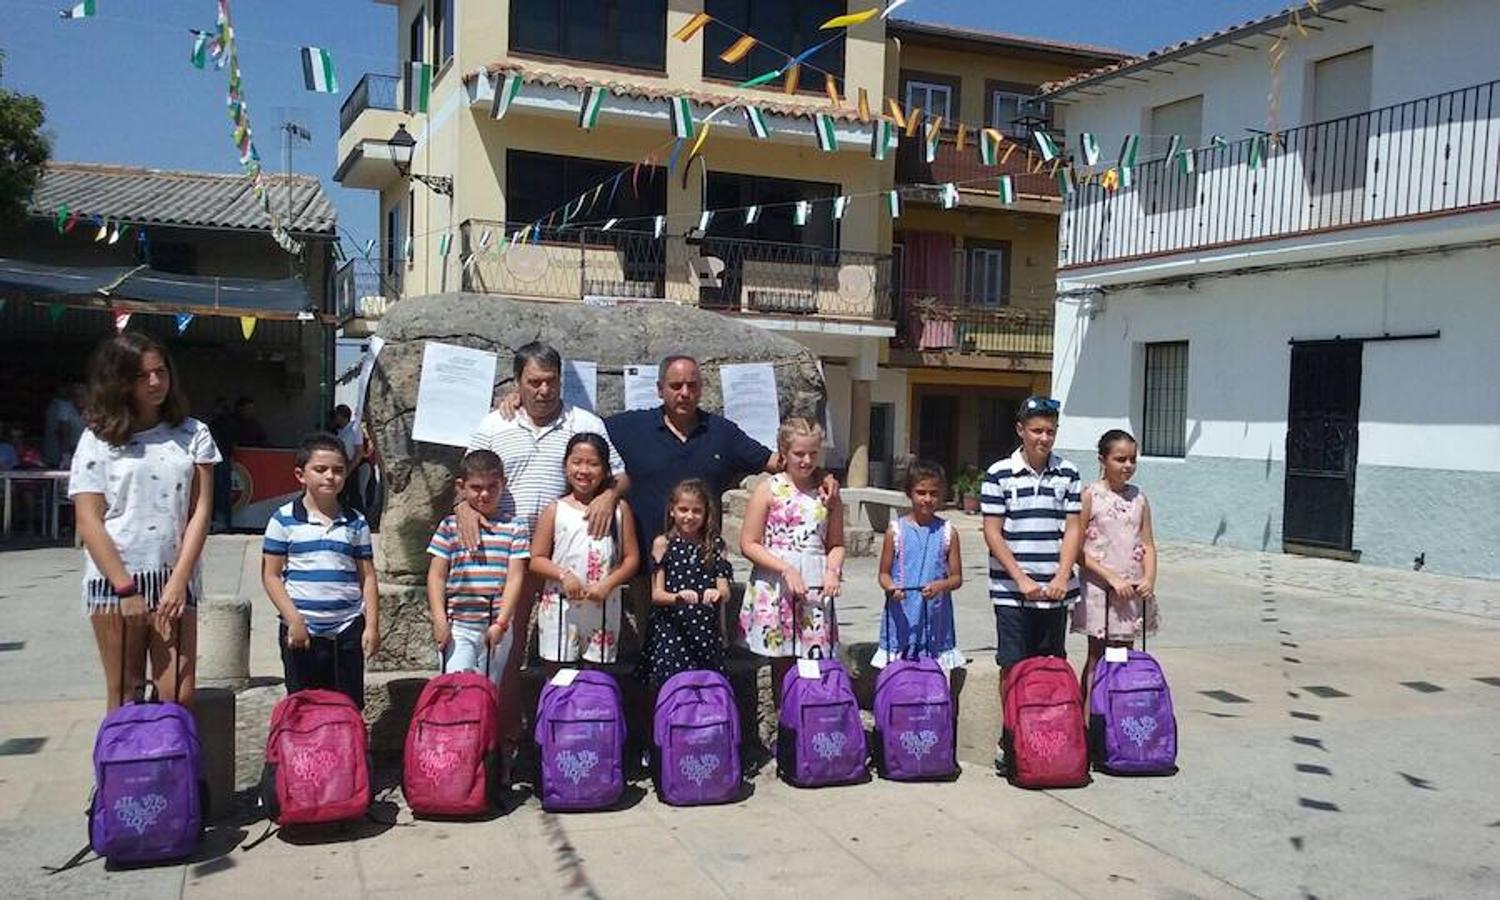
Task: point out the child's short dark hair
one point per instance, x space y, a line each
479 463
924 470
315 442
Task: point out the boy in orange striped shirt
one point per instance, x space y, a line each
472 594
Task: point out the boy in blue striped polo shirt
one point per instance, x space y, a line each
318 569
1031 501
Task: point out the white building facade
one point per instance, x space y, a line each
1298 312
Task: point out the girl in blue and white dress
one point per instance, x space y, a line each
920 568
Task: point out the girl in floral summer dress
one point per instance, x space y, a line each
795 540
1119 556
578 618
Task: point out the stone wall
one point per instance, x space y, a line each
419 476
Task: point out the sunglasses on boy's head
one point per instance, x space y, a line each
1040 405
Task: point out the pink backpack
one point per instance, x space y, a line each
1044 723
317 760
451 766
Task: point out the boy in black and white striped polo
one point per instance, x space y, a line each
1031 502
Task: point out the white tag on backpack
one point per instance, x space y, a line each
1116 654
564 677
808 668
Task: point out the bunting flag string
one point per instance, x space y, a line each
828 140
588 109
756 121
1089 145
682 118
183 319
800 211
247 326
893 203
87 9
1006 189
752 215
851 19
840 204
883 139
948 195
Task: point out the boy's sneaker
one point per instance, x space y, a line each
1002 764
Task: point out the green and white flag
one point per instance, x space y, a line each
609 223
317 71
1090 147
444 242
752 215
883 139
1219 140
1006 189
659 223
103 231
1173 146
1127 177
931 149
199 59
507 89
1258 151
1185 162
1046 145
840 204
1129 150
484 238
1065 181
989 148
682 118
588 111
799 212
948 195
418 87
408 250
893 203
704 219
828 141
756 121
84 10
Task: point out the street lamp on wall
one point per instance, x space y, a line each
403 145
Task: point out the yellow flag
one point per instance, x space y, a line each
958 139
913 119
864 106
1005 157
693 26
1110 180
831 86
792 74
896 115
698 144
738 49
247 326
845 21
934 129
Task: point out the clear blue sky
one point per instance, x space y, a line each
119 88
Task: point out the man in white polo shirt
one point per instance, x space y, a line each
1031 500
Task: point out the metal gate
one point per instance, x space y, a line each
1322 447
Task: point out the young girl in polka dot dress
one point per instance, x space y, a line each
689 587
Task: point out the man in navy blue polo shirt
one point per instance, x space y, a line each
677 440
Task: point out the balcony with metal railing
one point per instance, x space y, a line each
367 119
721 273
372 91
1422 159
362 291
963 305
967 169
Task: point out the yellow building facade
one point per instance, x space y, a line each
511 179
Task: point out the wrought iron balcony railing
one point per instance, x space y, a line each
361 290
966 169
373 91
1422 158
732 274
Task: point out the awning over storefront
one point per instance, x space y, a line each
163 291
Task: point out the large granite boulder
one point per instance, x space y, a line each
418 477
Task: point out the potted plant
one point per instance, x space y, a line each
966 486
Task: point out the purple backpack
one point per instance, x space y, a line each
1132 729
697 731
148 795
820 739
914 721
581 731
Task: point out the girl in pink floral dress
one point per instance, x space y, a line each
578 617
1119 556
795 540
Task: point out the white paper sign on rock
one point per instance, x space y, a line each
749 391
457 386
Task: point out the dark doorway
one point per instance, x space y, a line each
937 427
1322 448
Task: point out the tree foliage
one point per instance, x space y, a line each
24 150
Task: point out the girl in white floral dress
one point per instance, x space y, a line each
578 618
795 540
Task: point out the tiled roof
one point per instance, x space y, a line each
191 199
1182 48
796 105
905 28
